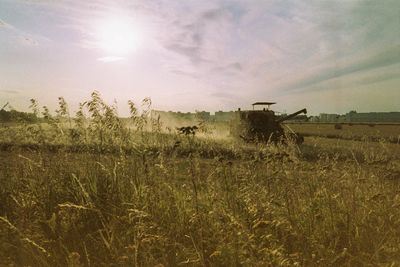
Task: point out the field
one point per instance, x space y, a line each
91 190
350 131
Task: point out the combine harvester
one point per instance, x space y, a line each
264 125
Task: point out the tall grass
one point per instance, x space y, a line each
138 198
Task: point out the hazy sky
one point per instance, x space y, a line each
328 56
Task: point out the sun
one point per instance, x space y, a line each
117 36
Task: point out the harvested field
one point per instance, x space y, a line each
173 200
372 131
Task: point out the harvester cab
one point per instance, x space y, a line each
261 124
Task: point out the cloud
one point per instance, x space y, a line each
200 35
341 68
186 73
14 35
11 92
276 45
3 24
229 68
200 41
27 41
307 44
229 49
110 59
224 96
192 52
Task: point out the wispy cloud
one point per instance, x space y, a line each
3 24
345 67
11 92
185 73
16 36
277 48
232 50
197 31
110 59
27 41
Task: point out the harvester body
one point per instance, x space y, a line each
264 125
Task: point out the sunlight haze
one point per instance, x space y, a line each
327 56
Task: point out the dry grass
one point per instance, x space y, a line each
373 132
168 200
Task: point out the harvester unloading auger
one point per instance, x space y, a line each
264 126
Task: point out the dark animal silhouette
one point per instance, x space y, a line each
187 130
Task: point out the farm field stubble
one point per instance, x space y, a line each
321 204
100 194
371 131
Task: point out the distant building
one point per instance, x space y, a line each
354 116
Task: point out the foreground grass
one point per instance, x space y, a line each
95 190
313 206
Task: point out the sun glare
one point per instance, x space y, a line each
117 36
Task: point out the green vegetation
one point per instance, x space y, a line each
94 190
16 116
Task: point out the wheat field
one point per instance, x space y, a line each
91 189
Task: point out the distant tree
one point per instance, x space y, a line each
17 116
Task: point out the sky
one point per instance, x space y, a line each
187 55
